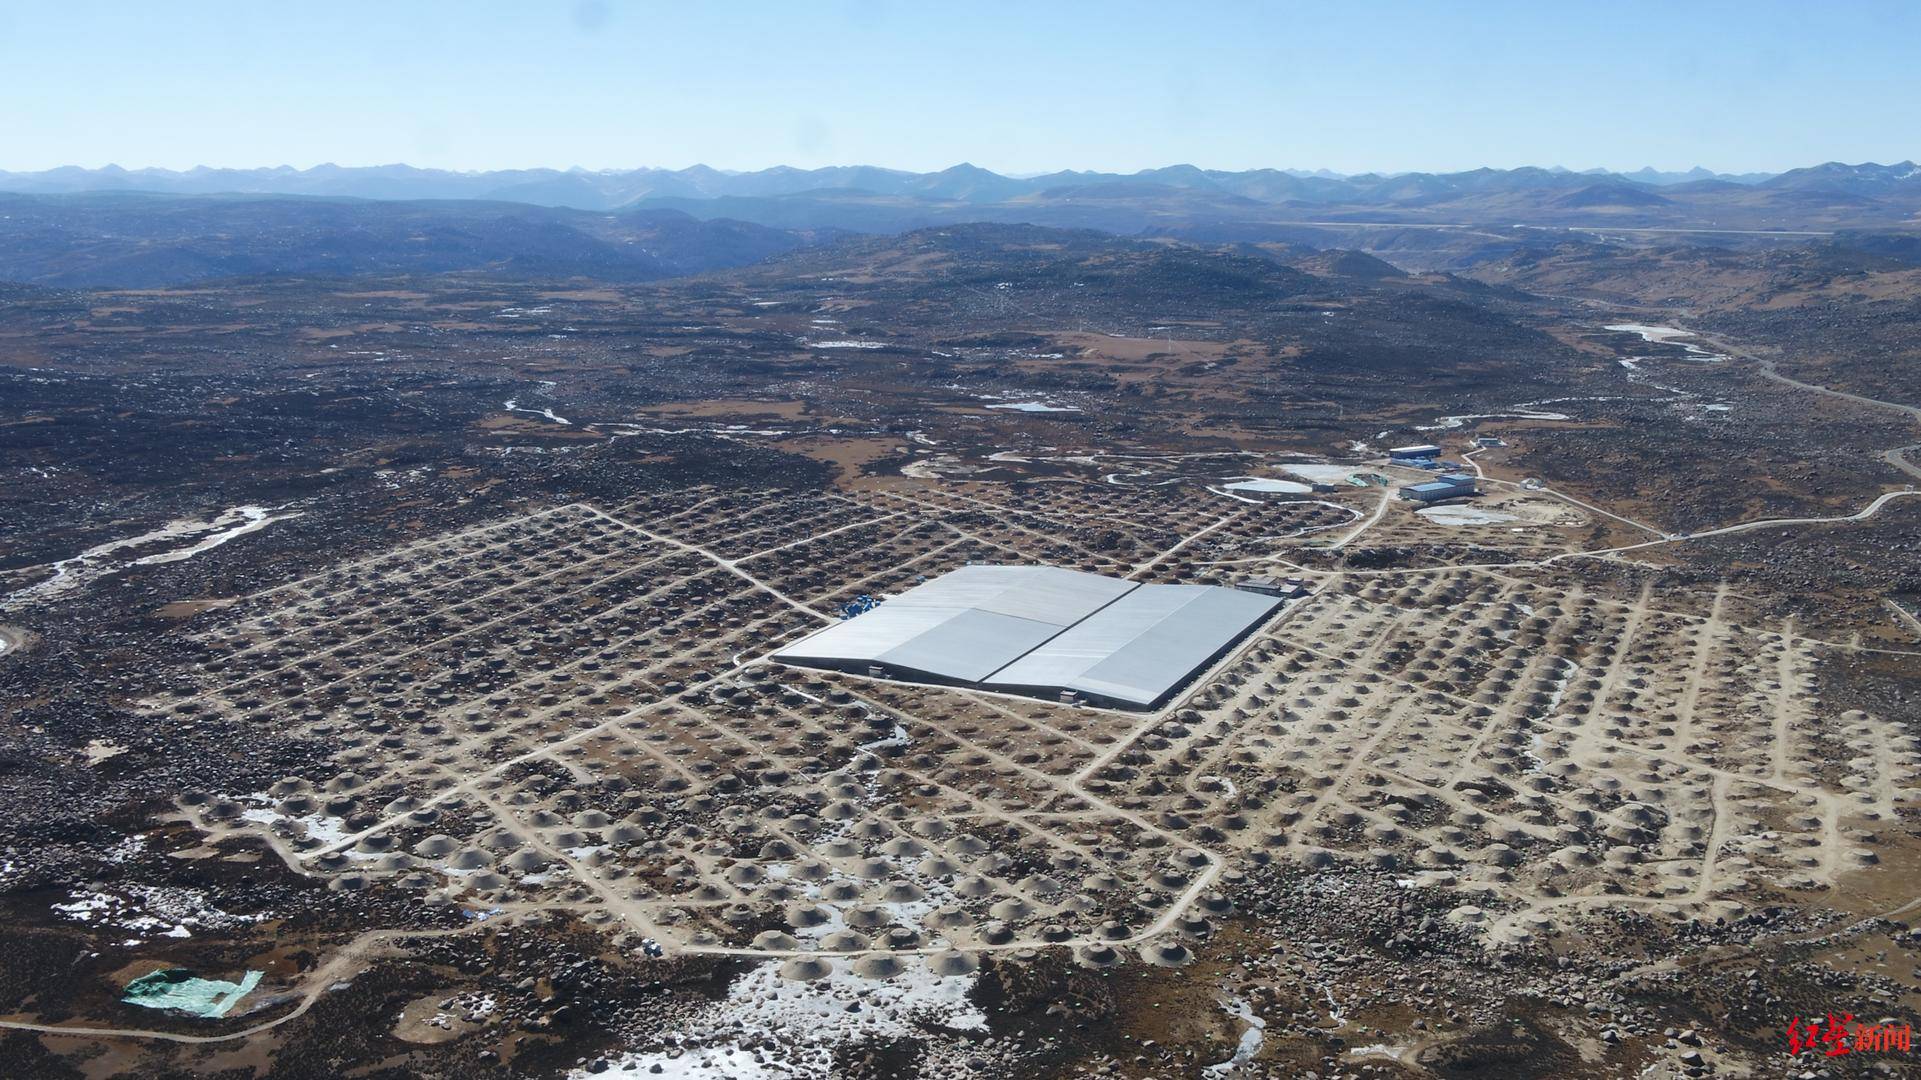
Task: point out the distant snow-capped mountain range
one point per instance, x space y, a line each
610 189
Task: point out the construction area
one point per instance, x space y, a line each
602 711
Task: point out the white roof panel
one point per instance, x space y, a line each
866 636
970 646
963 624
1143 645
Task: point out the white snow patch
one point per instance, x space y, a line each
1652 334
1448 423
1666 335
321 828
1323 474
105 559
808 1020
1275 487
253 519
1250 1043
1464 515
1035 407
513 405
168 910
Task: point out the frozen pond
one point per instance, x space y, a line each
1324 474
513 405
1250 1043
1666 335
1449 423
253 519
1272 487
1654 334
1464 515
1035 406
847 344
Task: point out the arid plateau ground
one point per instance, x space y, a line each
407 643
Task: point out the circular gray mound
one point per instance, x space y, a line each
1012 909
776 941
845 941
1166 953
524 861
973 886
868 916
877 966
953 962
469 859
947 917
935 867
802 916
435 846
1098 954
805 969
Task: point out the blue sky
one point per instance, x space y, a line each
1016 87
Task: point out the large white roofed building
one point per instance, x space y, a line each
1041 630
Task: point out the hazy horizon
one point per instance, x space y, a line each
1304 170
1386 88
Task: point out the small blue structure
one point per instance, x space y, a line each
859 605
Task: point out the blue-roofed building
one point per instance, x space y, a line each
1432 491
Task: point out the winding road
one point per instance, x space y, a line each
1897 457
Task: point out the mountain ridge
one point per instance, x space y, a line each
606 189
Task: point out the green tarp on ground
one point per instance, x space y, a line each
179 989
